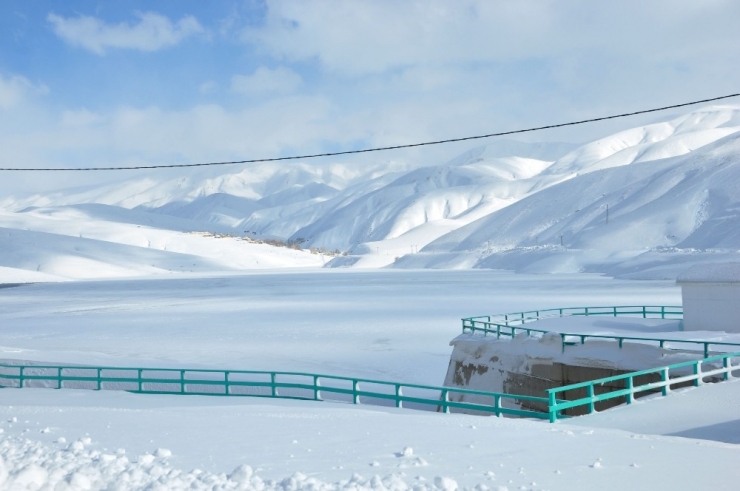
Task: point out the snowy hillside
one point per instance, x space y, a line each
666 211
670 187
96 241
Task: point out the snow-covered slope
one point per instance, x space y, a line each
657 209
95 241
503 205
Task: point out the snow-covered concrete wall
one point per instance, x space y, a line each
711 297
531 365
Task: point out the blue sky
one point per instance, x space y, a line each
128 82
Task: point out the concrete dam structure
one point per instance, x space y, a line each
528 353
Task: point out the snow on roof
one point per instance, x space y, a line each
711 273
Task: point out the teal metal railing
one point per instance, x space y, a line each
720 365
285 385
509 325
309 386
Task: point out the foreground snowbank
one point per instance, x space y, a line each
70 440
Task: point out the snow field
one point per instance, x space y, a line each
72 439
389 325
704 412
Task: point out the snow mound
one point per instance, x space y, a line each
26 464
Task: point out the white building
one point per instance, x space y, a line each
711 297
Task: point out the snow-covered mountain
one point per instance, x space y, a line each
662 212
672 190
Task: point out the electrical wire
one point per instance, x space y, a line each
375 149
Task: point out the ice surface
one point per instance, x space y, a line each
384 324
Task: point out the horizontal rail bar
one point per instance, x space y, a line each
555 407
501 325
223 379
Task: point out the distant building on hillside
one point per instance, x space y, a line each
711 297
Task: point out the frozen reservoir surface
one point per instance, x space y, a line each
387 324
393 325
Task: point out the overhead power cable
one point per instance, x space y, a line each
377 149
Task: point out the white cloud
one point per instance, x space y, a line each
208 87
80 118
14 89
280 80
361 37
153 32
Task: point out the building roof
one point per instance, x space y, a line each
711 273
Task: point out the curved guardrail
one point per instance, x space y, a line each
310 386
722 366
285 385
509 325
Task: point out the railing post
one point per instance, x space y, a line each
20 378
562 339
273 389
399 403
315 387
615 311
631 394
551 406
139 378
59 377
445 400
355 397
728 368
666 380
590 392
98 379
585 310
662 312
697 372
497 404
644 312
226 383
706 350
182 381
